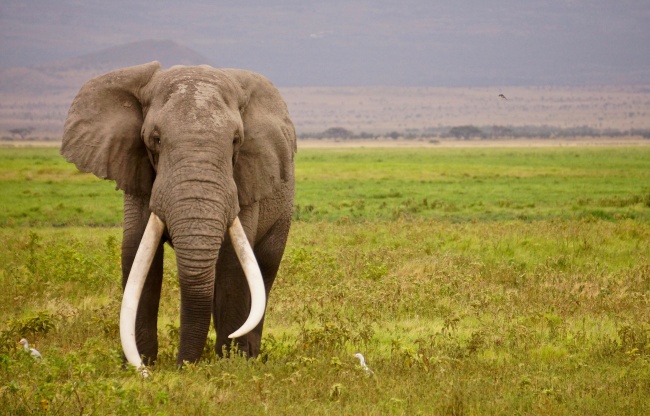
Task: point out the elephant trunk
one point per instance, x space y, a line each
196 242
196 223
197 200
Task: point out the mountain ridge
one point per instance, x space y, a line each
65 75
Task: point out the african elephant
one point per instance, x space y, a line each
197 151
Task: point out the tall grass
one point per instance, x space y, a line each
457 312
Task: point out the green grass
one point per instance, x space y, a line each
467 184
39 188
520 287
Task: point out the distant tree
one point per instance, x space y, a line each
465 132
337 133
364 135
502 131
23 132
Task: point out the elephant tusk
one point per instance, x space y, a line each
253 276
133 290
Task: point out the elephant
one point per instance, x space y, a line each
197 151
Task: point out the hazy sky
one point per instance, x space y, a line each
356 42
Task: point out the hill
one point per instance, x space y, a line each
70 74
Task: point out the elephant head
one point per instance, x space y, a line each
193 146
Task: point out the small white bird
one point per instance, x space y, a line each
33 351
362 363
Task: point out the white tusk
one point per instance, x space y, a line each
133 290
253 276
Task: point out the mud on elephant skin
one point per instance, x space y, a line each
193 148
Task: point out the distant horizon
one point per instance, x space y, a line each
357 43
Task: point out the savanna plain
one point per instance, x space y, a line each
478 280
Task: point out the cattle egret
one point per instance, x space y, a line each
33 351
362 363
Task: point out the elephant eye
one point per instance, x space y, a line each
236 139
156 138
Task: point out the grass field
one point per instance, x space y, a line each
474 280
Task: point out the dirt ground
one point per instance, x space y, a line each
583 141
36 143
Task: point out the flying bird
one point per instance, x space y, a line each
503 96
33 351
362 363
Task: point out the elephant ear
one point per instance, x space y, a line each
102 131
265 158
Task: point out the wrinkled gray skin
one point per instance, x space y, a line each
197 146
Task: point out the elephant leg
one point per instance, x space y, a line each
136 213
231 293
269 252
232 298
